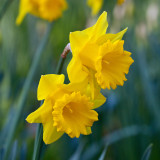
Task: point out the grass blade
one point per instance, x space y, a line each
147 152
26 86
102 156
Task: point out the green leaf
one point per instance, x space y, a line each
147 153
102 156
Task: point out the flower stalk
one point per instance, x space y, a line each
26 87
39 133
38 142
66 50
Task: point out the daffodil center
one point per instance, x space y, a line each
67 110
73 114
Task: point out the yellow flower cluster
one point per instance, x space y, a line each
46 9
99 61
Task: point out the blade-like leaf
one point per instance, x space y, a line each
2 153
147 152
102 156
78 152
13 153
23 151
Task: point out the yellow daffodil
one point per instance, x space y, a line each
96 5
46 9
98 55
66 108
120 2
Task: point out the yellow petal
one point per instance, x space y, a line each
50 133
24 8
88 55
42 114
89 131
111 37
79 39
94 91
48 84
98 29
93 87
96 5
99 100
76 71
75 87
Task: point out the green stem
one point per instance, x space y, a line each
26 87
60 65
39 135
38 142
5 7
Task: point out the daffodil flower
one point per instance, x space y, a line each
46 9
95 5
97 57
66 108
120 2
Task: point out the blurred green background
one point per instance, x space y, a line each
130 119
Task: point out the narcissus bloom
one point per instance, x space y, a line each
98 55
95 5
66 108
46 9
120 2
